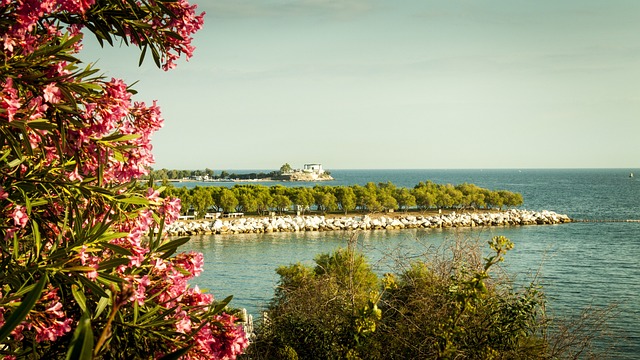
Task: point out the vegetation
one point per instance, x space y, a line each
448 305
323 198
166 174
86 271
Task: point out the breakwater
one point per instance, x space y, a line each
364 222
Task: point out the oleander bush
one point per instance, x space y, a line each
86 271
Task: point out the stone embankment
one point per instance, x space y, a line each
365 222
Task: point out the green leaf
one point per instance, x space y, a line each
117 249
104 238
41 124
19 314
81 347
102 304
142 55
80 298
172 245
79 269
119 137
15 162
134 200
95 288
110 279
222 304
36 237
110 264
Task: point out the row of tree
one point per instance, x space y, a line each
165 174
323 198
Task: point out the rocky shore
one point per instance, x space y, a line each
364 222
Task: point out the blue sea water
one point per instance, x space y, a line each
581 264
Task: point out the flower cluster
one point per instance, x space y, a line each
79 238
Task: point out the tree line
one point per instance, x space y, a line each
166 174
260 199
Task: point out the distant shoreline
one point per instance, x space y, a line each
240 180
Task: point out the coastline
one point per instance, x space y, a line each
370 222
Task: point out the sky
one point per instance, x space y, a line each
356 84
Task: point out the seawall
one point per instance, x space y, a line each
364 222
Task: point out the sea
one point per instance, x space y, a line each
591 265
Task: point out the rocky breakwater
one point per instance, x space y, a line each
365 222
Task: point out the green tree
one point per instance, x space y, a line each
325 201
247 201
346 198
303 197
425 194
404 198
228 200
202 200
264 200
285 169
281 202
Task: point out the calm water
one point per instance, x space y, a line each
582 264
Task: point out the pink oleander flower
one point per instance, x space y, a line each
19 216
192 262
183 325
170 209
9 100
224 340
52 94
3 194
9 232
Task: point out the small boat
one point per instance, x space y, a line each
631 175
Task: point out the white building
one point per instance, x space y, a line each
313 168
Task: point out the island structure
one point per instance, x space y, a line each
310 172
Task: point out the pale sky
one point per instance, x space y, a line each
398 84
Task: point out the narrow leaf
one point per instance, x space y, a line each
109 264
134 200
117 249
173 244
80 298
81 347
20 313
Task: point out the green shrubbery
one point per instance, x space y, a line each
369 198
445 306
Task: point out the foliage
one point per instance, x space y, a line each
325 312
85 267
369 198
453 310
445 306
285 169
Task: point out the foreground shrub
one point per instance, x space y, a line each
444 306
85 268
454 309
326 312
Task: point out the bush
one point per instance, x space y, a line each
445 306
326 312
453 309
85 268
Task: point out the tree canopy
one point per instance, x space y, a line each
369 198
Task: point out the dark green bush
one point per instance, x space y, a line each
445 306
